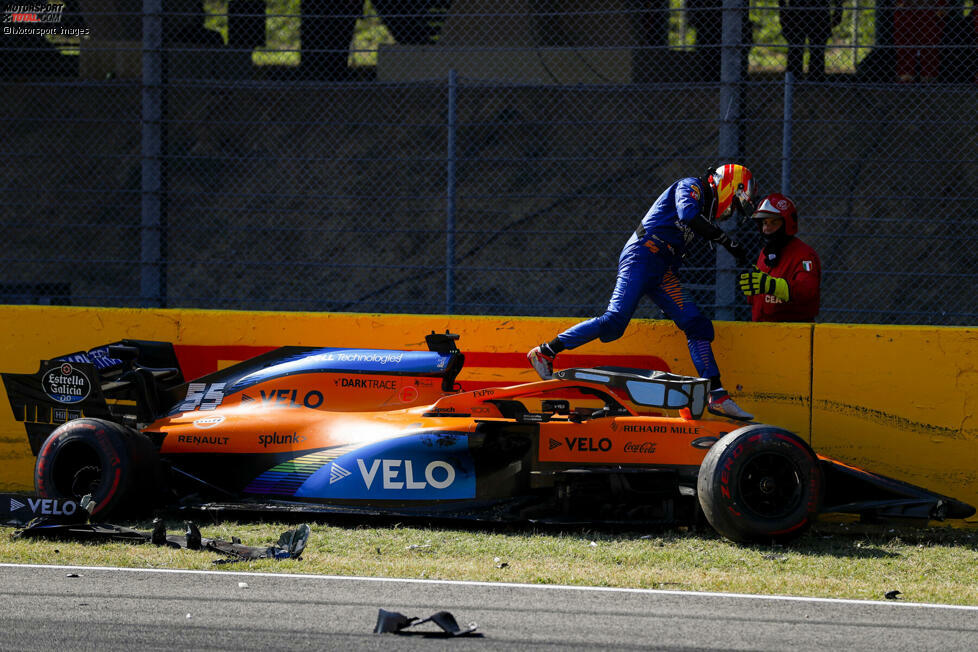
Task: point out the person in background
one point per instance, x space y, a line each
786 282
917 29
649 265
811 20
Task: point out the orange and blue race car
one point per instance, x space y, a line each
389 432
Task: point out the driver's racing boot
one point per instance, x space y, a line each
542 363
722 405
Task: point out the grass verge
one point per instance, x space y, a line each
834 560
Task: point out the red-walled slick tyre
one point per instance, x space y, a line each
113 463
760 484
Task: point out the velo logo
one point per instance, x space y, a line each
43 506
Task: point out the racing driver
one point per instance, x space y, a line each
649 264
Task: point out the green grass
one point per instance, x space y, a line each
835 560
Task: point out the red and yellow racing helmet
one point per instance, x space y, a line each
777 205
734 186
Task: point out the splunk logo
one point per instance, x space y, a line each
276 439
396 475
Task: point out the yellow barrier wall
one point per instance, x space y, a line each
767 367
901 401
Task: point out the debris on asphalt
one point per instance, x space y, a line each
391 622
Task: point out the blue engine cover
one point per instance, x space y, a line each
337 360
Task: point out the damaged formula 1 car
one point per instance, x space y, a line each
383 432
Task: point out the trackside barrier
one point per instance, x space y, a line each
900 400
897 400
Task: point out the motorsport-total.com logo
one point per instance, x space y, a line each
38 19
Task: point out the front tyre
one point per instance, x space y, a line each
760 484
115 464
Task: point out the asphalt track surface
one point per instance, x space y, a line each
74 608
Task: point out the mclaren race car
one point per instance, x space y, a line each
385 432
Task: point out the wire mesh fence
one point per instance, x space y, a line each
476 157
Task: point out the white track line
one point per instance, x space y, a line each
541 587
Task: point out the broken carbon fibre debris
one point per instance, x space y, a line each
290 544
391 622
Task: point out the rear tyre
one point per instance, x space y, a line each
760 484
115 464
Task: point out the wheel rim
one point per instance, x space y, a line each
86 481
76 471
771 485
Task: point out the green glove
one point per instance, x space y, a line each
757 282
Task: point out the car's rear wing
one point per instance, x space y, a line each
129 381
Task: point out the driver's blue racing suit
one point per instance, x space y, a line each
649 264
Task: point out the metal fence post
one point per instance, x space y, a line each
789 86
450 197
731 62
152 279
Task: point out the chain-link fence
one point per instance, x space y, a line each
476 157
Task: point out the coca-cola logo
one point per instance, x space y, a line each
644 447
